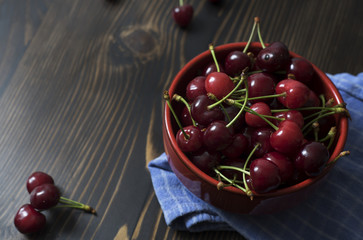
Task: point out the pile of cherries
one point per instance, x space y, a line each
43 195
252 120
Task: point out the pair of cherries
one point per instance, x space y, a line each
44 195
183 13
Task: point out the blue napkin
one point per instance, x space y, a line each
335 212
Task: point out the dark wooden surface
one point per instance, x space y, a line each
80 96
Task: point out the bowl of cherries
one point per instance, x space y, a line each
253 128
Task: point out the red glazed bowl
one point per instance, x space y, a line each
230 198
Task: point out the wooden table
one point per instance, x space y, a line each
81 96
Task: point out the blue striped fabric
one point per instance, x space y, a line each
335 212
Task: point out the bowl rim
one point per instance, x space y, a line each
342 131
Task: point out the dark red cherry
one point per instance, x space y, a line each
292 115
312 100
219 84
238 146
273 58
261 136
253 120
206 161
232 111
288 138
235 62
285 165
302 70
28 220
265 175
182 15
296 93
45 196
191 144
217 136
312 158
195 88
36 179
212 68
261 84
200 112
185 117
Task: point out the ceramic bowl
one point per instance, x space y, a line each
230 198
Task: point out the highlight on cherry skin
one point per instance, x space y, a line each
44 196
254 120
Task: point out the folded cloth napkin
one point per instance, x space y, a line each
334 212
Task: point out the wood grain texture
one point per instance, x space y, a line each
80 96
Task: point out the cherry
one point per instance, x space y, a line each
287 138
212 68
185 117
28 220
194 140
285 165
36 179
200 112
302 70
235 62
261 136
296 93
265 175
217 136
261 84
238 146
273 58
205 160
219 84
253 120
312 100
292 115
312 158
44 196
195 88
183 15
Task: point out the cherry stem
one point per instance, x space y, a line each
181 3
229 180
264 117
179 98
74 204
342 154
211 49
233 168
244 79
330 136
259 32
251 35
316 119
248 191
167 99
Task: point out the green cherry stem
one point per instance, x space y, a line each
74 204
251 35
181 2
179 98
259 32
167 99
211 49
248 191
221 167
229 180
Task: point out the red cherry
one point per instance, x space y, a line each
212 68
253 120
265 175
206 161
296 93
37 179
312 158
217 136
28 220
200 112
195 88
182 15
238 146
291 115
193 143
261 84
219 84
285 165
287 138
274 57
45 196
235 62
302 70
